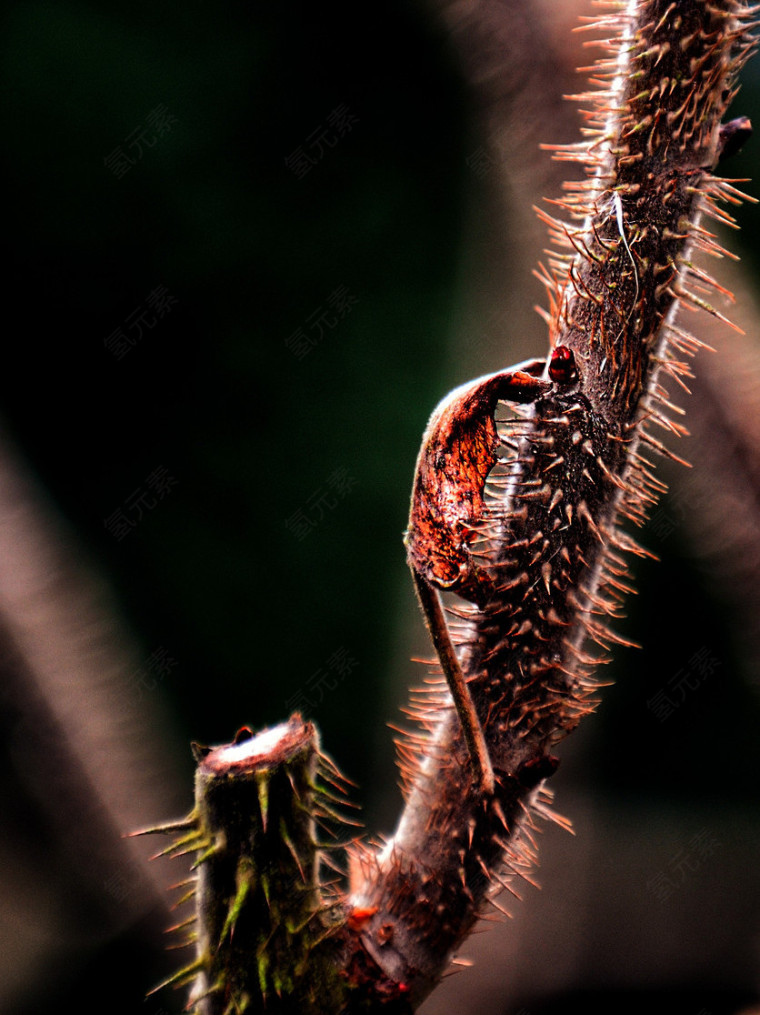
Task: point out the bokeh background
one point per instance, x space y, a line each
248 249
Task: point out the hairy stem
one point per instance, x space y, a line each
264 927
575 474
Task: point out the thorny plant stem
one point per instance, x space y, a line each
576 474
551 547
265 927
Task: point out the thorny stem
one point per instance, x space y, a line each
265 924
575 475
553 547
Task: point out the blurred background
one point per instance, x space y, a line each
249 249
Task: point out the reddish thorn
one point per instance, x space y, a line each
359 916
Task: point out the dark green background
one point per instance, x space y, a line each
250 252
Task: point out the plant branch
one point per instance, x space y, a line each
547 528
574 476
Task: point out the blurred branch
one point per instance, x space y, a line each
78 767
716 505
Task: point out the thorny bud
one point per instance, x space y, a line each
459 449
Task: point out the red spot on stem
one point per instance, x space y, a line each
562 369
